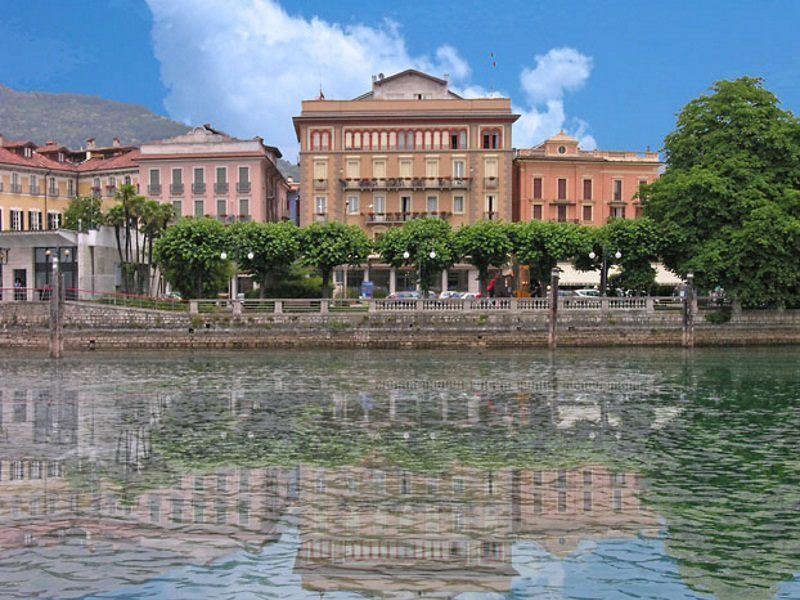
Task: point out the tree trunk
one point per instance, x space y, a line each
326 278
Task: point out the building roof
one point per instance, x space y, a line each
544 151
380 80
203 134
35 161
125 160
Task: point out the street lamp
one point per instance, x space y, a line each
432 255
604 268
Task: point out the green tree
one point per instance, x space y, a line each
540 245
273 246
484 245
412 245
640 243
329 245
188 254
83 213
733 159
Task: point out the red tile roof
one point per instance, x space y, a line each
36 161
127 160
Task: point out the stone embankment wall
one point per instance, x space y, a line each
90 326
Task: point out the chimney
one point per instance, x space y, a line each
2 140
116 143
90 144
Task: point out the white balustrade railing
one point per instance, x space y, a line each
405 305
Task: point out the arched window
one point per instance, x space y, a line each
410 140
315 141
326 139
401 140
392 140
462 139
418 140
357 140
427 144
445 140
348 140
384 140
437 140
375 143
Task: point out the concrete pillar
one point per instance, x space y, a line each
444 280
278 307
366 271
392 280
193 308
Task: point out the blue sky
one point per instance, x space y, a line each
613 73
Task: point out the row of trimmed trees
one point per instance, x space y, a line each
198 256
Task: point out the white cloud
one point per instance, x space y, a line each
245 65
559 71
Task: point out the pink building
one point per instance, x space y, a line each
557 181
208 173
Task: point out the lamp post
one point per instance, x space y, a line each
604 268
431 255
233 287
551 334
688 312
56 308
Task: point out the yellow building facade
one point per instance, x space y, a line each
38 182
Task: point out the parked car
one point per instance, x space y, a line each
407 295
450 295
587 293
471 296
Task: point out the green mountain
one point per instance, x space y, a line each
71 119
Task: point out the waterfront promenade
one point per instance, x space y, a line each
315 323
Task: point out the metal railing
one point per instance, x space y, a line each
220 188
198 188
176 189
243 187
154 189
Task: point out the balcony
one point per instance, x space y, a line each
491 183
16 188
53 192
393 218
154 189
220 188
111 190
404 183
34 190
243 187
96 191
320 184
491 215
199 188
176 189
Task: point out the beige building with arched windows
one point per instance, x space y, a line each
407 149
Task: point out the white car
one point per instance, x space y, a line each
587 293
450 295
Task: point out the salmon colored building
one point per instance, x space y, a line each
557 181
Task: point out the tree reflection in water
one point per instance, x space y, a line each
400 472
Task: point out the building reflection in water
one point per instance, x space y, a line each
80 471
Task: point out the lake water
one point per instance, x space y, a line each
624 473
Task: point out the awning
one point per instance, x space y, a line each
572 277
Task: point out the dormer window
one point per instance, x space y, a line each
61 157
28 152
562 149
